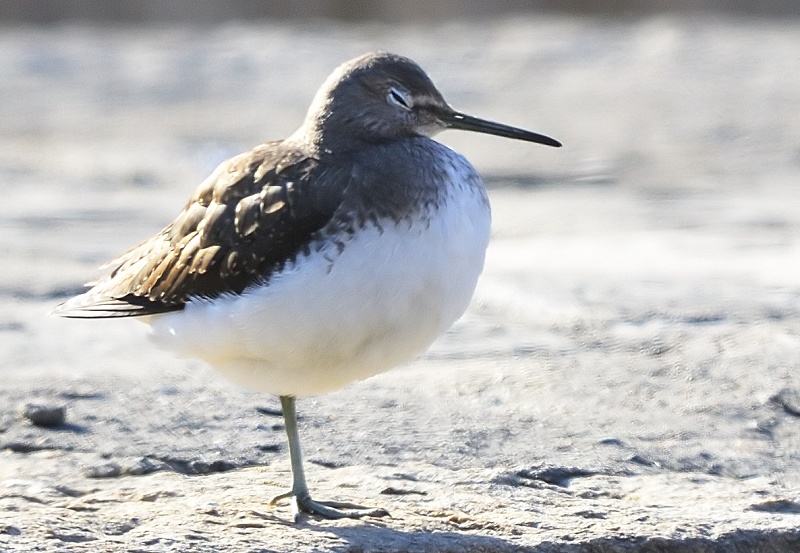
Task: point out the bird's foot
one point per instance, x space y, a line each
302 503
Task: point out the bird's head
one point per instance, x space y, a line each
382 97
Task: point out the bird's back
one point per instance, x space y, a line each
252 215
392 269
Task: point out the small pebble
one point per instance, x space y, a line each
789 400
44 415
103 470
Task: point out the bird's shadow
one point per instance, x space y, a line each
379 537
373 535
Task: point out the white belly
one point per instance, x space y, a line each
328 320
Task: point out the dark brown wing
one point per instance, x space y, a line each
252 215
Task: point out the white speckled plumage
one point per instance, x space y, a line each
333 317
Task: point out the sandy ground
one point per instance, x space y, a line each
625 380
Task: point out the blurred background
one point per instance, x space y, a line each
642 283
209 11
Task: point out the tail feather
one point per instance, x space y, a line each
92 305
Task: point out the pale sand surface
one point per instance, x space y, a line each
638 318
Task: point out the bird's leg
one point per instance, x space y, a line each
299 496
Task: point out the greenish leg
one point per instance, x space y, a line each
299 496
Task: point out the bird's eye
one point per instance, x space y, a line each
398 98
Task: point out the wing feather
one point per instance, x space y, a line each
252 215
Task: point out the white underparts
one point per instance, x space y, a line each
334 316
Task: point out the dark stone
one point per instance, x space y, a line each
45 416
789 400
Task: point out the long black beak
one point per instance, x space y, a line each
461 121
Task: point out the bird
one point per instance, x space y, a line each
325 258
